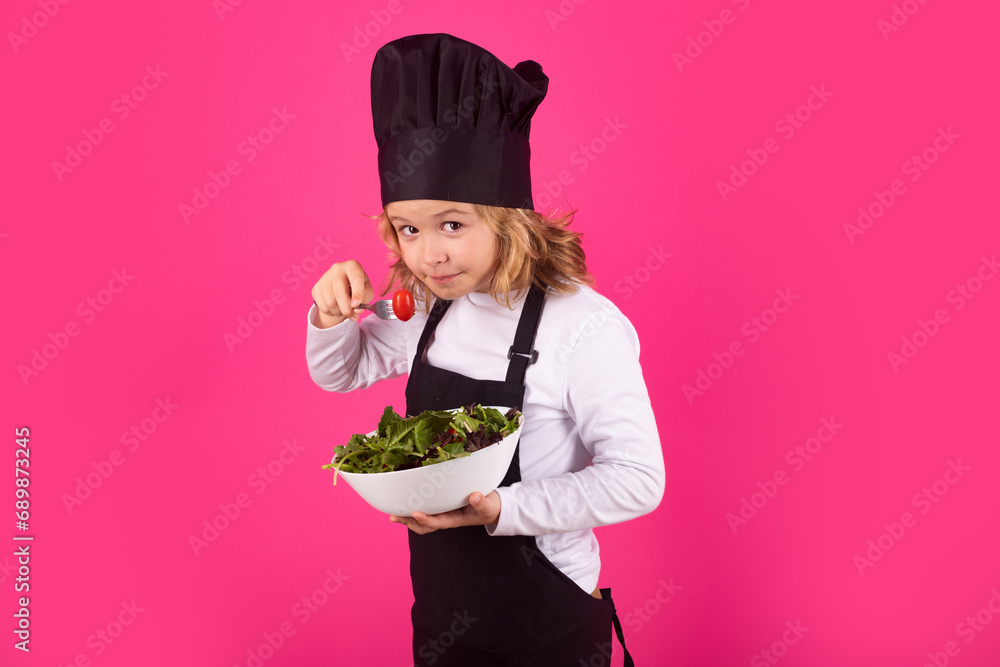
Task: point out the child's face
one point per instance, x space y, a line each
445 245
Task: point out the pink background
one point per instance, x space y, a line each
691 590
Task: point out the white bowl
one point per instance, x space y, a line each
440 487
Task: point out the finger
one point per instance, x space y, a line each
484 504
398 519
341 289
327 289
322 299
486 508
451 519
412 524
359 282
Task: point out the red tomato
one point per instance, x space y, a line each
402 304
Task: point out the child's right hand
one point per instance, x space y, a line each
338 291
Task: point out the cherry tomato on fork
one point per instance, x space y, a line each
402 304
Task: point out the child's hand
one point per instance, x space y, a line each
339 290
481 511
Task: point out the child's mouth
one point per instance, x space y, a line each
441 280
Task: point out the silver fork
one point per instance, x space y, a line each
381 308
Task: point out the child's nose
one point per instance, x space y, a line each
432 252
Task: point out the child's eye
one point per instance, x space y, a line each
457 226
407 230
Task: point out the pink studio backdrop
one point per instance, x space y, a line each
792 202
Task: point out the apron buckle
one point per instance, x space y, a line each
532 357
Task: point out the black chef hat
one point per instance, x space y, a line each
451 122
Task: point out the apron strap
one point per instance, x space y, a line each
520 353
606 594
437 312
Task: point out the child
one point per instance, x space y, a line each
510 579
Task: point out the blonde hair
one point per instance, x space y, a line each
532 249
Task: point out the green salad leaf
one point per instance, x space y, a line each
434 436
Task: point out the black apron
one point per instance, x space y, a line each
482 600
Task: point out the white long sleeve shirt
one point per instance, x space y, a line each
589 448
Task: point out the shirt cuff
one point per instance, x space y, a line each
505 522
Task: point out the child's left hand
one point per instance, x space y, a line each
482 511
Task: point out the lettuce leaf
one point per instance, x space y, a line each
431 437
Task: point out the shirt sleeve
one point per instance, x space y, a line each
351 355
606 396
